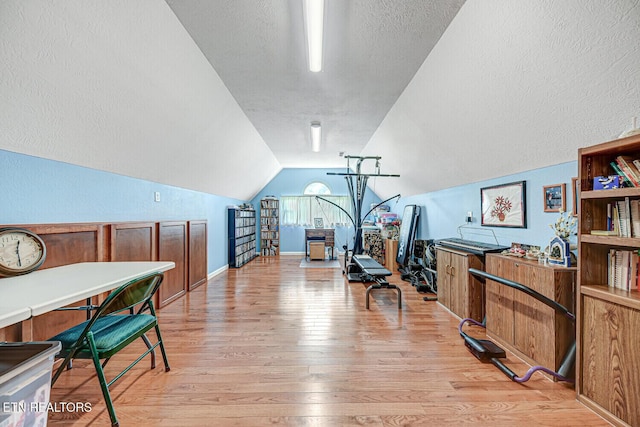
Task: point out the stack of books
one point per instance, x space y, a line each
628 168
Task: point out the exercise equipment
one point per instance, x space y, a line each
372 271
408 229
488 352
421 270
357 186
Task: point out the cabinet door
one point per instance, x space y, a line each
500 299
610 362
197 253
458 284
443 264
172 246
472 293
534 322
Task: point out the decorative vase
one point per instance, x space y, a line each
559 252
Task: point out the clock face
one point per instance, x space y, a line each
21 251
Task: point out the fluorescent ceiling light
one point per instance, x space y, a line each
313 18
316 133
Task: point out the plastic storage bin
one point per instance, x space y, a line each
25 382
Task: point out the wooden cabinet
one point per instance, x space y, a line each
172 246
390 254
198 272
608 359
458 290
269 226
525 326
242 236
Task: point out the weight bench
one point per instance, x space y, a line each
372 271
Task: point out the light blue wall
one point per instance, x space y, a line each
443 211
36 190
292 182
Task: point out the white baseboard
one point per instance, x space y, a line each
218 271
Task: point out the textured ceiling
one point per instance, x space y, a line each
372 50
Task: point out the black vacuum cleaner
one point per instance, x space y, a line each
488 352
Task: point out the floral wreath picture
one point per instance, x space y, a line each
504 205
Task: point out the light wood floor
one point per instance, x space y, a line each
275 344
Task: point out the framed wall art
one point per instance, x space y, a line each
318 223
554 198
504 205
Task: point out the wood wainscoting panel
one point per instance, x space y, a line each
172 246
66 244
197 253
134 241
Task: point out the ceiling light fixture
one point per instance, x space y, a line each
313 18
316 133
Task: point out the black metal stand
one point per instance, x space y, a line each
357 185
383 284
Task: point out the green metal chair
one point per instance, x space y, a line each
112 327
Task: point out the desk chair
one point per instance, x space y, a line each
108 331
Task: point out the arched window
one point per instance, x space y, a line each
303 210
317 188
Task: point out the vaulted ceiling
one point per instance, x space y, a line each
372 49
215 95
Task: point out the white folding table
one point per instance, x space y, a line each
42 291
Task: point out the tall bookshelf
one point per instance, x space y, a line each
608 322
242 236
269 226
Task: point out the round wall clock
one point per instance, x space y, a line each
21 251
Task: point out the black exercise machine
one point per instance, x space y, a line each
487 351
362 268
421 269
357 186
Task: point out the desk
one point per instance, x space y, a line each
45 290
319 234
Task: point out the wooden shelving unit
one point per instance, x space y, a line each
608 323
242 236
269 226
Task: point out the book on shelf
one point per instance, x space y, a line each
604 232
623 269
625 163
625 181
623 219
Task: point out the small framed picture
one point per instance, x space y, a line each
318 222
554 198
